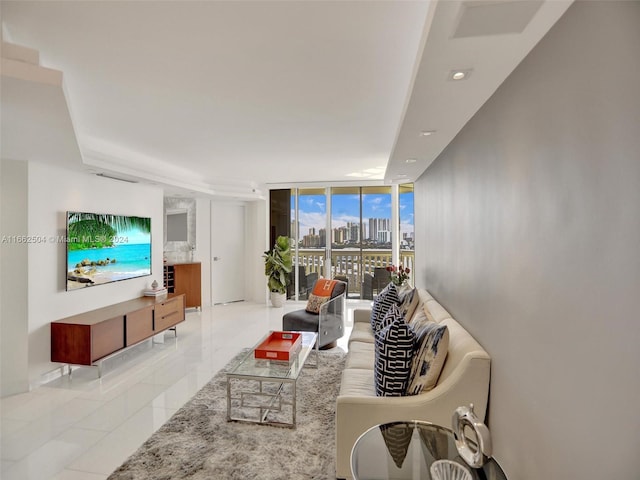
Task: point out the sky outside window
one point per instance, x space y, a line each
312 211
407 229
312 218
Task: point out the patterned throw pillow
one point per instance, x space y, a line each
432 343
419 319
387 297
409 300
322 290
315 302
403 290
394 347
429 314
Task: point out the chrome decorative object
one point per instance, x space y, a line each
478 454
154 285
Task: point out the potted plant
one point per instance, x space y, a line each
277 267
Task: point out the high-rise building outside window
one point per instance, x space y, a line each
407 230
349 232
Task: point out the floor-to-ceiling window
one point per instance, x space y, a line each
346 235
309 215
361 237
349 232
406 229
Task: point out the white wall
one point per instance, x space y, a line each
13 278
529 234
52 192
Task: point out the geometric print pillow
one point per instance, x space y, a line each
394 347
432 343
387 297
395 312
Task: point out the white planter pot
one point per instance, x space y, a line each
278 299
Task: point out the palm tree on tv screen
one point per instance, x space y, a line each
93 230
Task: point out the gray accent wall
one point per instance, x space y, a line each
530 236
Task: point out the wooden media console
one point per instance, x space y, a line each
88 338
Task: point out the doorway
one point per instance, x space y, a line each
227 251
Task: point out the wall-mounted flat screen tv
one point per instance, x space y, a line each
106 248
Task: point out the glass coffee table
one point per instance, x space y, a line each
264 391
406 450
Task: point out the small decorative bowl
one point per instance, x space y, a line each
449 470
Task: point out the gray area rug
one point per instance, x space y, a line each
198 442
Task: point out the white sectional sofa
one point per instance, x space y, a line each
464 379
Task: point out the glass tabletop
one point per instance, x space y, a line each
278 369
406 450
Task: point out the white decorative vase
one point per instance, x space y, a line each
278 299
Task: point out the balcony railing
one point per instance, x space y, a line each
352 263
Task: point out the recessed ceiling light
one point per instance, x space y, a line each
411 160
427 133
401 175
460 74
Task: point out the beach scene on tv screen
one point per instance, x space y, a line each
106 248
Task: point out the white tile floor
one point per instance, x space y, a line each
85 427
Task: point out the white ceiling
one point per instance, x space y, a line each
226 97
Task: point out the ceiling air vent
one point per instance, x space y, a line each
105 175
480 18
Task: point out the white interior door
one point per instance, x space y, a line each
227 250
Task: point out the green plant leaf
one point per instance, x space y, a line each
278 264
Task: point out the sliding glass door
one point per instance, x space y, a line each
361 245
309 225
351 233
346 235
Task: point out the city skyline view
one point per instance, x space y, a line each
312 213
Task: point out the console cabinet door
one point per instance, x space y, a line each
107 337
139 325
71 343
